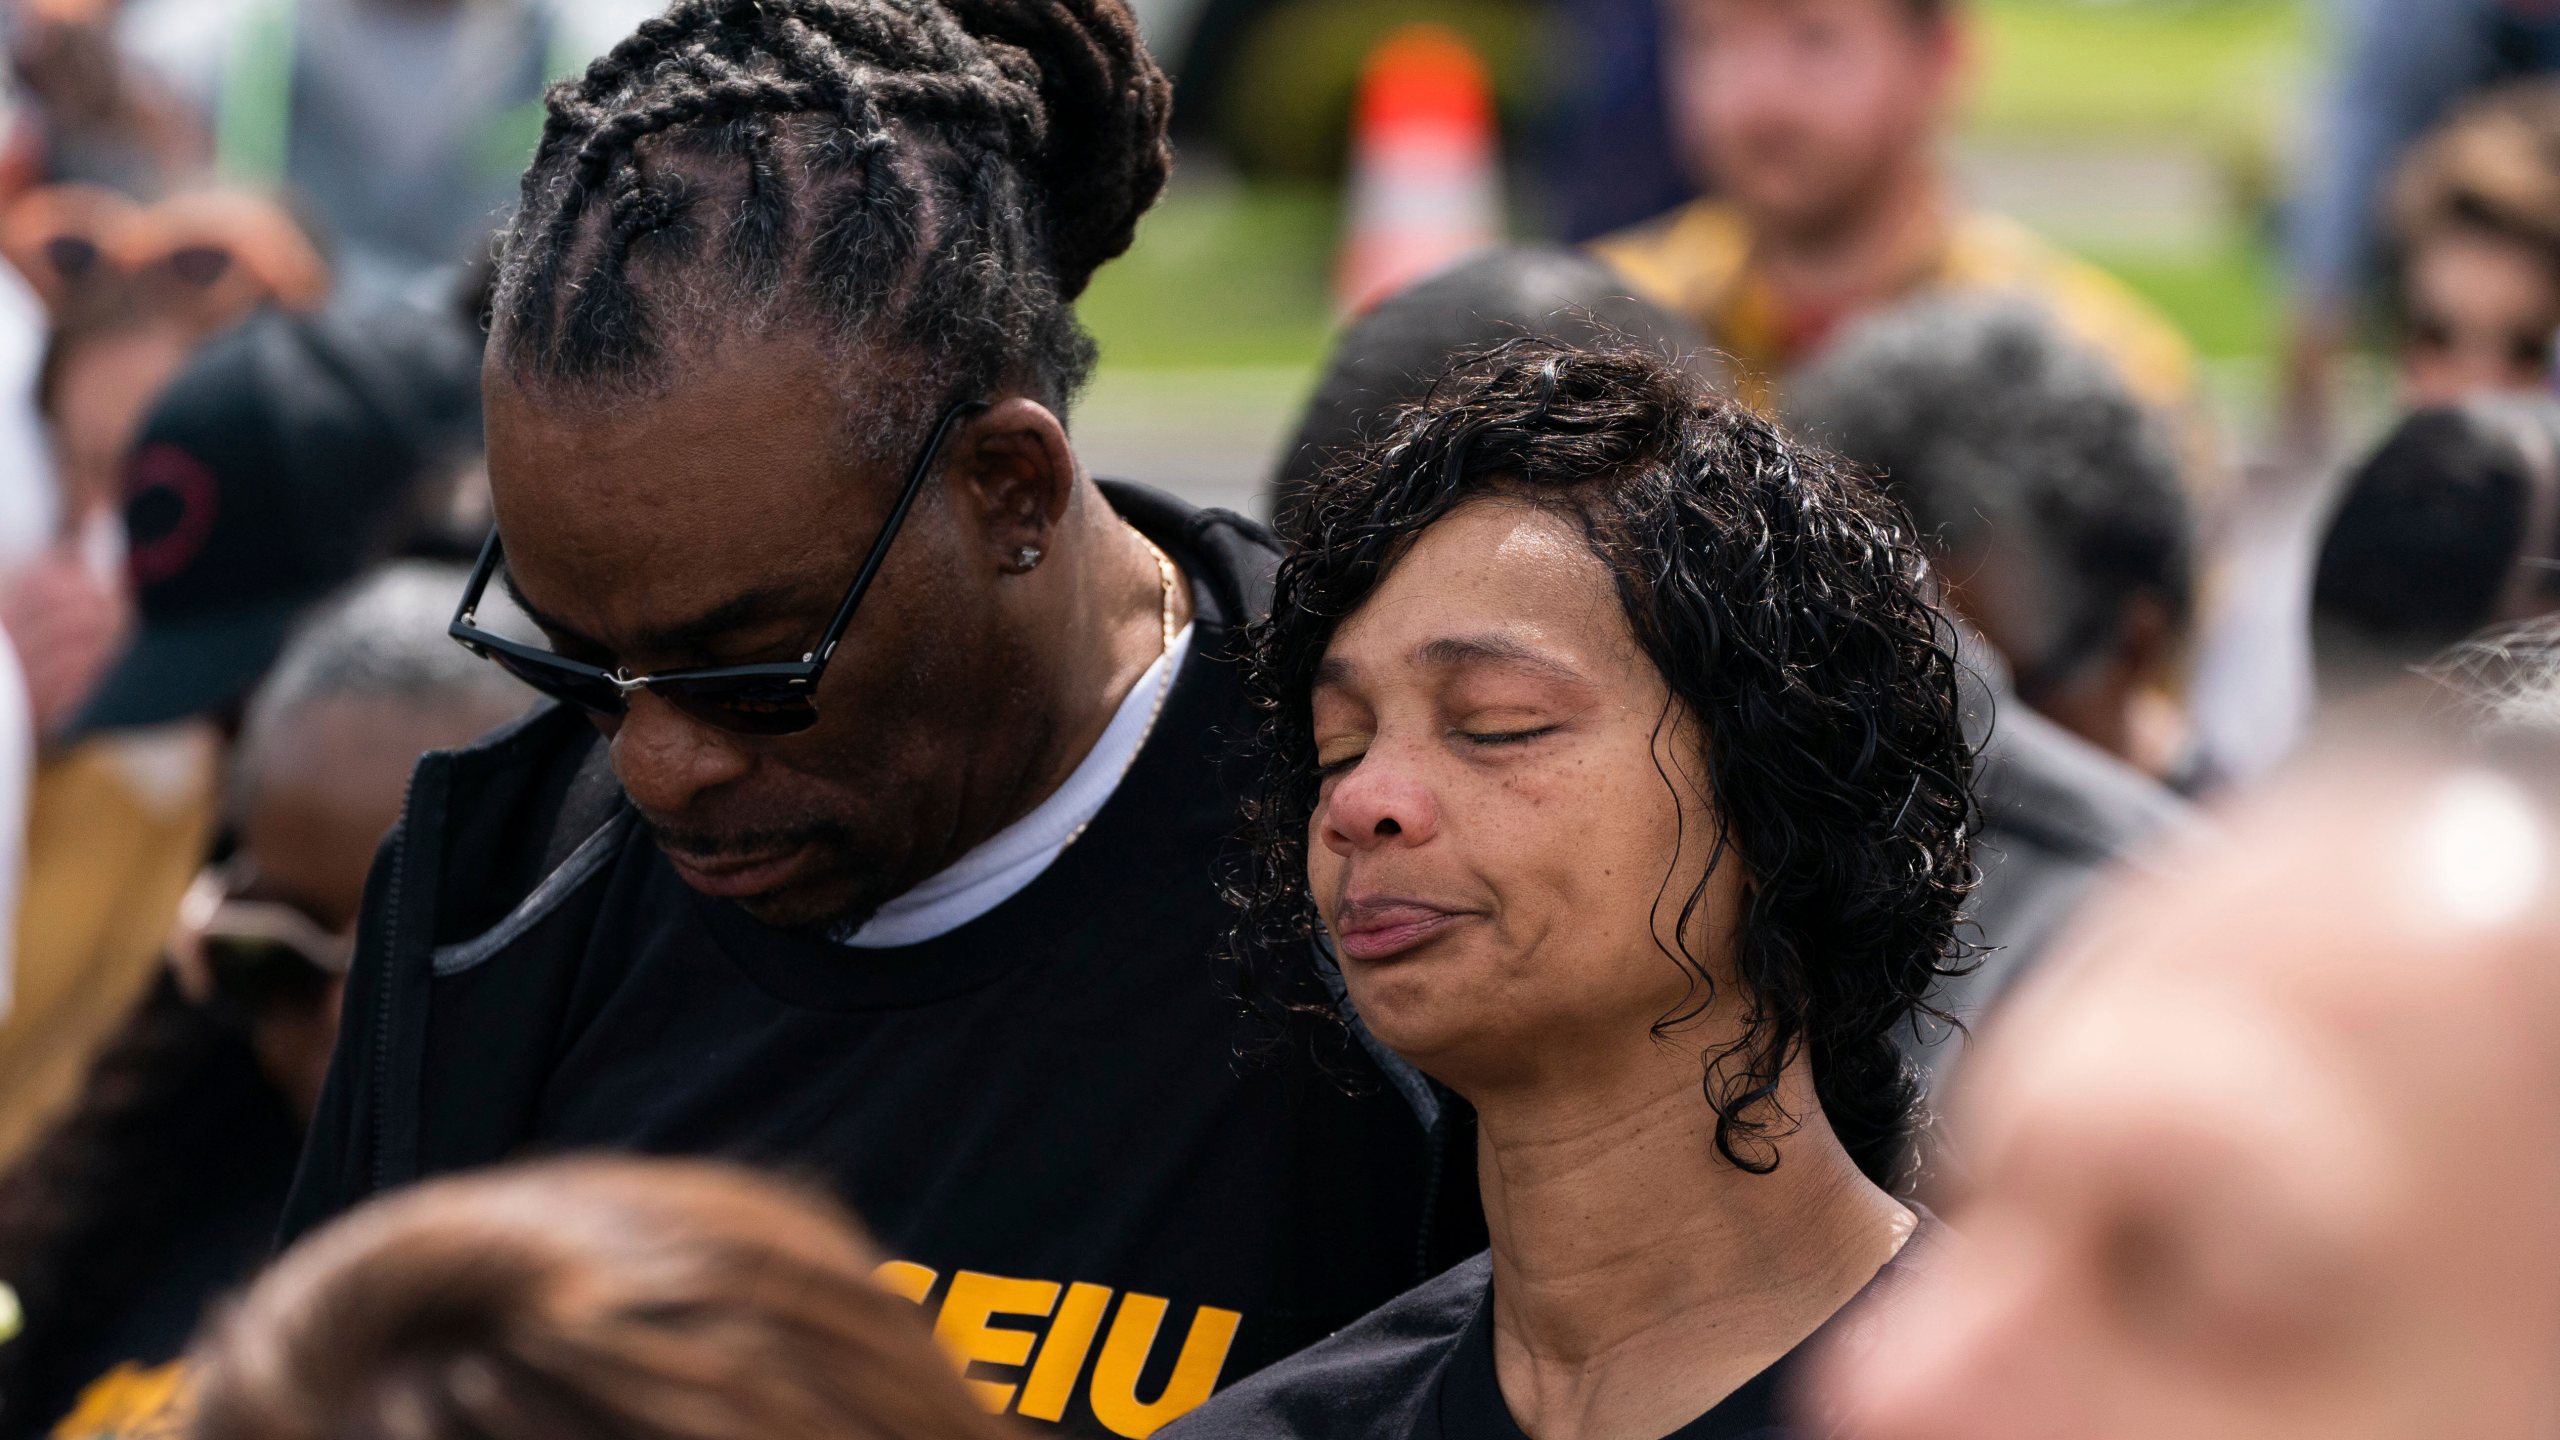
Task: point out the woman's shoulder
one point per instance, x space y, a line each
1369 1379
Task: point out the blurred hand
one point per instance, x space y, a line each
69 617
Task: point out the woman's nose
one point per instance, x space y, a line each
1378 802
665 758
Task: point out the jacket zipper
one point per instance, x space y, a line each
1439 1158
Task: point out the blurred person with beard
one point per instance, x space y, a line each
163 1183
1816 126
2275 1151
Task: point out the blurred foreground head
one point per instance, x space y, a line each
2279 1155
600 1299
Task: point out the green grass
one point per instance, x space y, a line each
1238 277
2216 74
2226 300
1221 275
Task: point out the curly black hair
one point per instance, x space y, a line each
939 178
1787 606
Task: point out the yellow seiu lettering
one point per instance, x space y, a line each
906 1279
974 1300
132 1402
1071 1331
1124 1356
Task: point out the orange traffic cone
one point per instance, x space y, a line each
1424 188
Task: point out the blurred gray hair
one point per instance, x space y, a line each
383 638
1988 422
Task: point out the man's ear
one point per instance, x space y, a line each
1013 466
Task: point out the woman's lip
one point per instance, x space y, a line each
1391 929
738 877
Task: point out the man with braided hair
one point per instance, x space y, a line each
874 835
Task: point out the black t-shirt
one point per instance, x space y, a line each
1106 1180
1421 1368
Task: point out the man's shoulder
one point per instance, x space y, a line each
1236 558
1368 1379
2044 786
1993 251
502 815
1682 255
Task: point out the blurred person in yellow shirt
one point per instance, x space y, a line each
1816 126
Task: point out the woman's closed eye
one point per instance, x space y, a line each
1479 736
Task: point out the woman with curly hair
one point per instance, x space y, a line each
1613 746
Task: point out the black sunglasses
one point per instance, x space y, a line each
771 699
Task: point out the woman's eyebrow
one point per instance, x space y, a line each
1453 651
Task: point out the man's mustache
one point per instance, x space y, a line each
699 843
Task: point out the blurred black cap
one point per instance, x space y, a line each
286 458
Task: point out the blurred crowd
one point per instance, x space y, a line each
1777 829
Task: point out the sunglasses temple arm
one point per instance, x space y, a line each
889 530
467 614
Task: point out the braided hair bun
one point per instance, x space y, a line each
942 176
1104 156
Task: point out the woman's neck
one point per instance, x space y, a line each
1638 1277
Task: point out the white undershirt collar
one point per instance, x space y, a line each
998 867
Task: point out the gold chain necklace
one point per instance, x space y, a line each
1164 683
